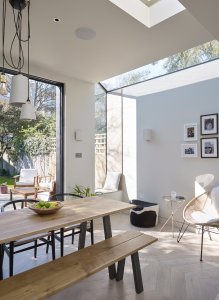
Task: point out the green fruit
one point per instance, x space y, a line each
42 203
47 204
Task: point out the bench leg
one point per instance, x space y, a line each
92 231
108 234
120 270
11 259
61 242
82 235
137 273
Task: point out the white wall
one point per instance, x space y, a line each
79 114
160 167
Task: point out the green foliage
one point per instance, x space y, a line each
18 137
9 181
82 191
193 56
36 138
4 172
10 126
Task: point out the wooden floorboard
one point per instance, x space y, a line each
170 270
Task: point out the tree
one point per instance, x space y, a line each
10 126
100 113
197 55
18 137
43 96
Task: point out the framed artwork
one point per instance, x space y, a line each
190 132
189 150
209 124
209 147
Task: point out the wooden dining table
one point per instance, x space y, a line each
23 223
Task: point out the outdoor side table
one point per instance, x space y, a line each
175 204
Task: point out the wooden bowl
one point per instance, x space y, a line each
46 211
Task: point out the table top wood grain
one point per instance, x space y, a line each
24 222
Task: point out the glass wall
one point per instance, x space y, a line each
100 136
31 144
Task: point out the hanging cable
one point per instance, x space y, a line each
28 51
18 22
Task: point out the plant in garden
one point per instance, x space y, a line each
82 191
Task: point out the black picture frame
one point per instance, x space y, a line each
209 124
209 147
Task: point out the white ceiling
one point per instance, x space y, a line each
121 43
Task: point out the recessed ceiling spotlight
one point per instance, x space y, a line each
85 33
56 20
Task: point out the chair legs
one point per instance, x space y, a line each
73 236
203 230
181 231
35 248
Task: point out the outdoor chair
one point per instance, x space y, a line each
70 230
46 187
27 178
45 238
203 211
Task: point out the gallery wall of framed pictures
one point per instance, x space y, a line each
209 127
190 135
208 141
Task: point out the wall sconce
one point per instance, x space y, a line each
78 135
147 135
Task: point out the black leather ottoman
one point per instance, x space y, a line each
145 214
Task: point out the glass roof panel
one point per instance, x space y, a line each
194 56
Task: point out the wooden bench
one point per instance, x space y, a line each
54 276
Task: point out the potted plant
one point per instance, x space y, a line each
82 191
3 188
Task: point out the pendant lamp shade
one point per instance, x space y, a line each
28 112
19 90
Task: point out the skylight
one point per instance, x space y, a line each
191 57
150 15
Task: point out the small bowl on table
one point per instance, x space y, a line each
43 210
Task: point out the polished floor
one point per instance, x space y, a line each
170 270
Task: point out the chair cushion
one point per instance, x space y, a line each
200 217
44 196
27 175
215 198
45 185
112 181
22 183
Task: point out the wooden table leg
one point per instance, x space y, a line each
25 203
108 234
